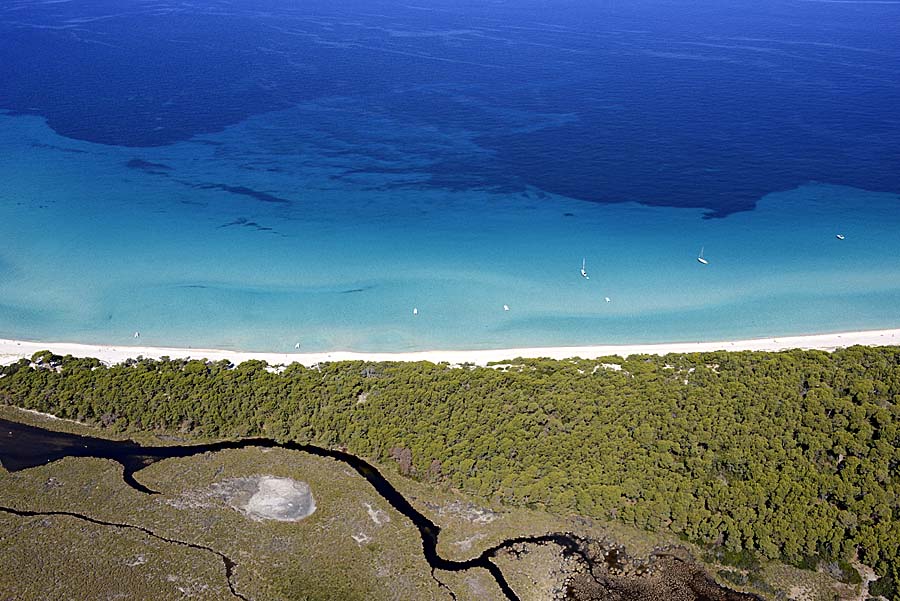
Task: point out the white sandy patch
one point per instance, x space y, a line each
258 497
379 516
280 499
466 543
361 539
13 350
45 415
465 511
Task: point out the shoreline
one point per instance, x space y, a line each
13 350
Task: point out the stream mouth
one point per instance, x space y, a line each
23 446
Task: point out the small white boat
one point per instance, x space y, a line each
297 346
583 271
607 299
137 334
700 257
415 310
840 236
506 307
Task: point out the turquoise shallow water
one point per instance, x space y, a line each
256 238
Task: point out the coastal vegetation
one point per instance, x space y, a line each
56 499
791 455
84 534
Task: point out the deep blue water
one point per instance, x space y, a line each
251 173
675 103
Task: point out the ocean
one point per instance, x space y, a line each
386 176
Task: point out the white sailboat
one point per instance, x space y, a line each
583 271
840 236
701 259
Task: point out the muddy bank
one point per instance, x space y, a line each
661 576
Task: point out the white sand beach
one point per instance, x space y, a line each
13 350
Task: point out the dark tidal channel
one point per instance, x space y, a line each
23 446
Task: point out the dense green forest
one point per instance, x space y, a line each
791 455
